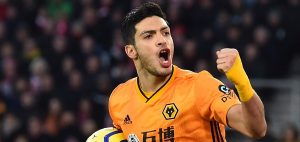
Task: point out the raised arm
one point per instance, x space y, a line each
249 117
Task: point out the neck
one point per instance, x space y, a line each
151 83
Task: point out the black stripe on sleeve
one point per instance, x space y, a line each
219 131
216 130
212 131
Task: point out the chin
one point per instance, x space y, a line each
159 71
165 71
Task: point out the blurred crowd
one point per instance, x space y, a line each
60 59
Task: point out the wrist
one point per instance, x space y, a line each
239 78
245 92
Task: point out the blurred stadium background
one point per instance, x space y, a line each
60 59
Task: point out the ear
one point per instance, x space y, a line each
131 51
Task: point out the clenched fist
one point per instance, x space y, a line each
226 58
229 62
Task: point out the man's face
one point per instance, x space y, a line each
154 46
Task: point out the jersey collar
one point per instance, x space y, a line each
158 92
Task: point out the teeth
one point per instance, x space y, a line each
164 54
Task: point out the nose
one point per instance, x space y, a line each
161 40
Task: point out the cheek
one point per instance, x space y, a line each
144 53
145 48
172 47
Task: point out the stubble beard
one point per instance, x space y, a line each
150 67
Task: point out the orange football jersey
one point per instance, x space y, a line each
189 107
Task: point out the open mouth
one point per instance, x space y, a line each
164 58
164 54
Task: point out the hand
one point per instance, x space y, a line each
229 62
226 58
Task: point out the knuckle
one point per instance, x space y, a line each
235 51
219 67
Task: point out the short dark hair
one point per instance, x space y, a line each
147 9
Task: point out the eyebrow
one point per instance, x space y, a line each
153 31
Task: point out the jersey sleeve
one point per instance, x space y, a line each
222 103
112 109
218 99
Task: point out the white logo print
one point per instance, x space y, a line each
132 138
224 89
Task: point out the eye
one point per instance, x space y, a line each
148 36
166 33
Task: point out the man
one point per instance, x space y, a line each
166 103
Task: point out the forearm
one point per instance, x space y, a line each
254 117
248 118
252 106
